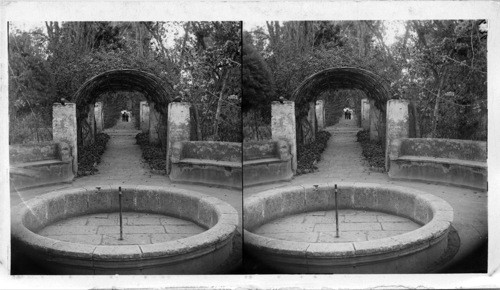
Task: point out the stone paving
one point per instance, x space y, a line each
470 206
122 159
122 164
343 157
104 229
319 226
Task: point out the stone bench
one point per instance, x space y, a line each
207 162
448 161
40 164
266 161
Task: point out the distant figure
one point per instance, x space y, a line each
348 115
126 117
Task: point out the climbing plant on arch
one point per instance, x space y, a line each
158 93
375 88
304 100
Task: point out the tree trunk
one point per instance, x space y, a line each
436 105
197 123
183 47
219 106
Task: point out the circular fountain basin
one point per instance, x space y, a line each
305 248
165 231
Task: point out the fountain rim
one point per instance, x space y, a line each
431 232
221 231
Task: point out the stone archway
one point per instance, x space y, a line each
156 91
284 126
74 122
305 95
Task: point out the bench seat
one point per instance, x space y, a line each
40 164
207 162
266 162
262 161
447 161
222 163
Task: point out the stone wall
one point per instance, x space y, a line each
33 165
22 153
445 148
266 162
212 150
448 161
207 162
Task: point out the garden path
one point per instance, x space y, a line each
343 155
342 162
122 159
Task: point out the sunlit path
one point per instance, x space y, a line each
122 159
343 155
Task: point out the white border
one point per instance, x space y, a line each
255 11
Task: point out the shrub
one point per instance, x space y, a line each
373 151
309 155
89 156
154 155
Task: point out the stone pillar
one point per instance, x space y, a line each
154 124
64 128
89 137
397 124
311 117
144 116
99 118
365 114
320 114
283 126
178 126
374 122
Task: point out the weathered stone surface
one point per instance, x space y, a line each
178 127
88 133
39 164
64 128
397 124
369 242
198 251
144 116
311 118
320 114
154 125
22 153
99 117
449 161
266 162
283 126
376 127
207 162
365 114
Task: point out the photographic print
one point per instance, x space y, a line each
371 140
111 124
249 144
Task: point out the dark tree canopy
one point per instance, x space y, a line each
257 80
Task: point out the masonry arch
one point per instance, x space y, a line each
154 89
374 86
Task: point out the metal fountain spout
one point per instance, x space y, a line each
121 218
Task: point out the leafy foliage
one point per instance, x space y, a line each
203 65
440 66
153 154
257 81
373 151
90 156
309 155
